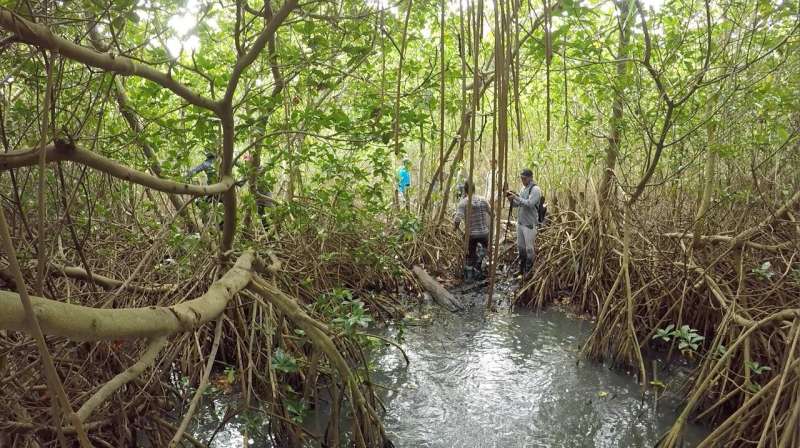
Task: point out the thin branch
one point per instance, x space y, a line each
42 37
200 388
258 46
28 320
106 282
122 378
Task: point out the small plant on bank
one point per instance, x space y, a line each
688 338
253 422
284 362
354 316
796 274
764 272
757 368
346 313
297 409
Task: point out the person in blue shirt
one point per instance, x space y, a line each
208 167
404 182
208 202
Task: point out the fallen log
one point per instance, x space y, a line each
441 295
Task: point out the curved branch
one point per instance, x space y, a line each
42 37
122 378
60 151
648 46
258 45
92 324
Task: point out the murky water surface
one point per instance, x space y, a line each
513 380
506 379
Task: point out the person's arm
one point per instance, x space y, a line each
533 198
512 197
202 167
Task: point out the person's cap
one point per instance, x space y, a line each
211 155
526 173
406 160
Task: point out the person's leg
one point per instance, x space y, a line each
480 254
469 262
530 238
473 245
521 249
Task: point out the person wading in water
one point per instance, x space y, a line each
480 218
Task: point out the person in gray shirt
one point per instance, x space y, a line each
527 202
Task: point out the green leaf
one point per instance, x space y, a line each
284 362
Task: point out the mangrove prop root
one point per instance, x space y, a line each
369 430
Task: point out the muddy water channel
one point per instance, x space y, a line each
515 380
506 379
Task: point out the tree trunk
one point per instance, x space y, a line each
605 191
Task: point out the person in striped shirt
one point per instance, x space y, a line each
480 221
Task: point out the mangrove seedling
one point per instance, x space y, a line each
757 368
688 338
764 272
284 362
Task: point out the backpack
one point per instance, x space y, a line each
541 208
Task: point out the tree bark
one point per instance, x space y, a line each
605 191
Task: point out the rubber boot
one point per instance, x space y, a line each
523 261
469 273
476 270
